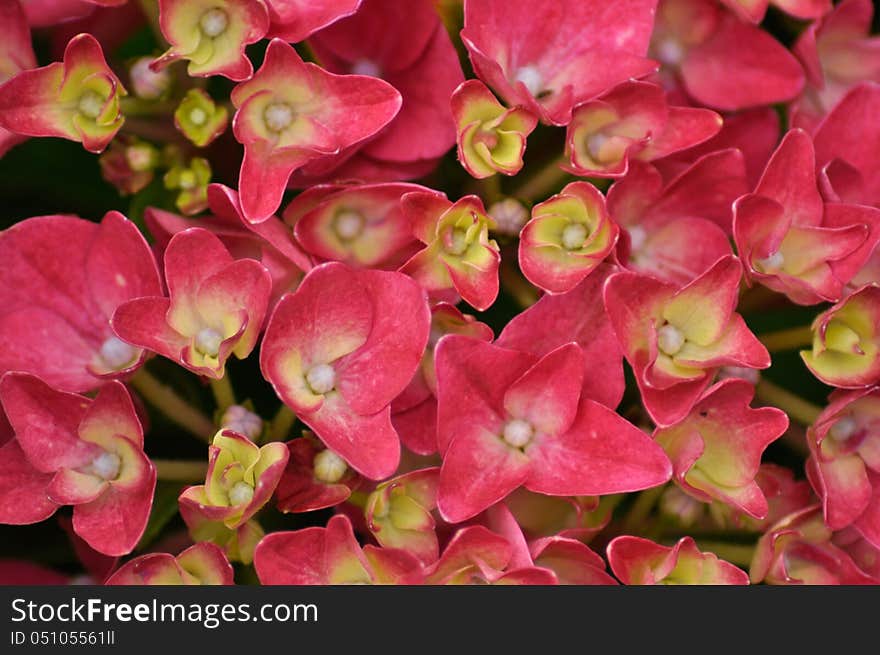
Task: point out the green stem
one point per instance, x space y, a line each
175 408
358 499
490 189
543 183
788 339
642 508
796 407
281 423
171 469
739 554
224 396
150 9
515 284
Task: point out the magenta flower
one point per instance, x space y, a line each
844 464
315 477
642 562
508 419
201 564
215 308
552 56
721 61
716 450
676 339
330 556
459 255
291 112
339 349
576 316
792 241
70 450
67 276
568 237
212 35
362 226
677 230
632 121
77 99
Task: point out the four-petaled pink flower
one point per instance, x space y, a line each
508 419
71 450
491 138
676 339
792 241
339 350
568 237
291 112
716 449
240 480
315 477
212 35
216 306
77 99
632 121
459 255
676 230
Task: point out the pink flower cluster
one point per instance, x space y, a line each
495 364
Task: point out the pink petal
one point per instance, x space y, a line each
367 442
741 66
114 522
45 422
601 453
479 469
295 20
23 497
547 394
372 376
465 400
579 316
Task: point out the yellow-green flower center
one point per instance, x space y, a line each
321 379
348 224
518 433
670 339
278 116
329 467
241 493
90 104
574 235
214 22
